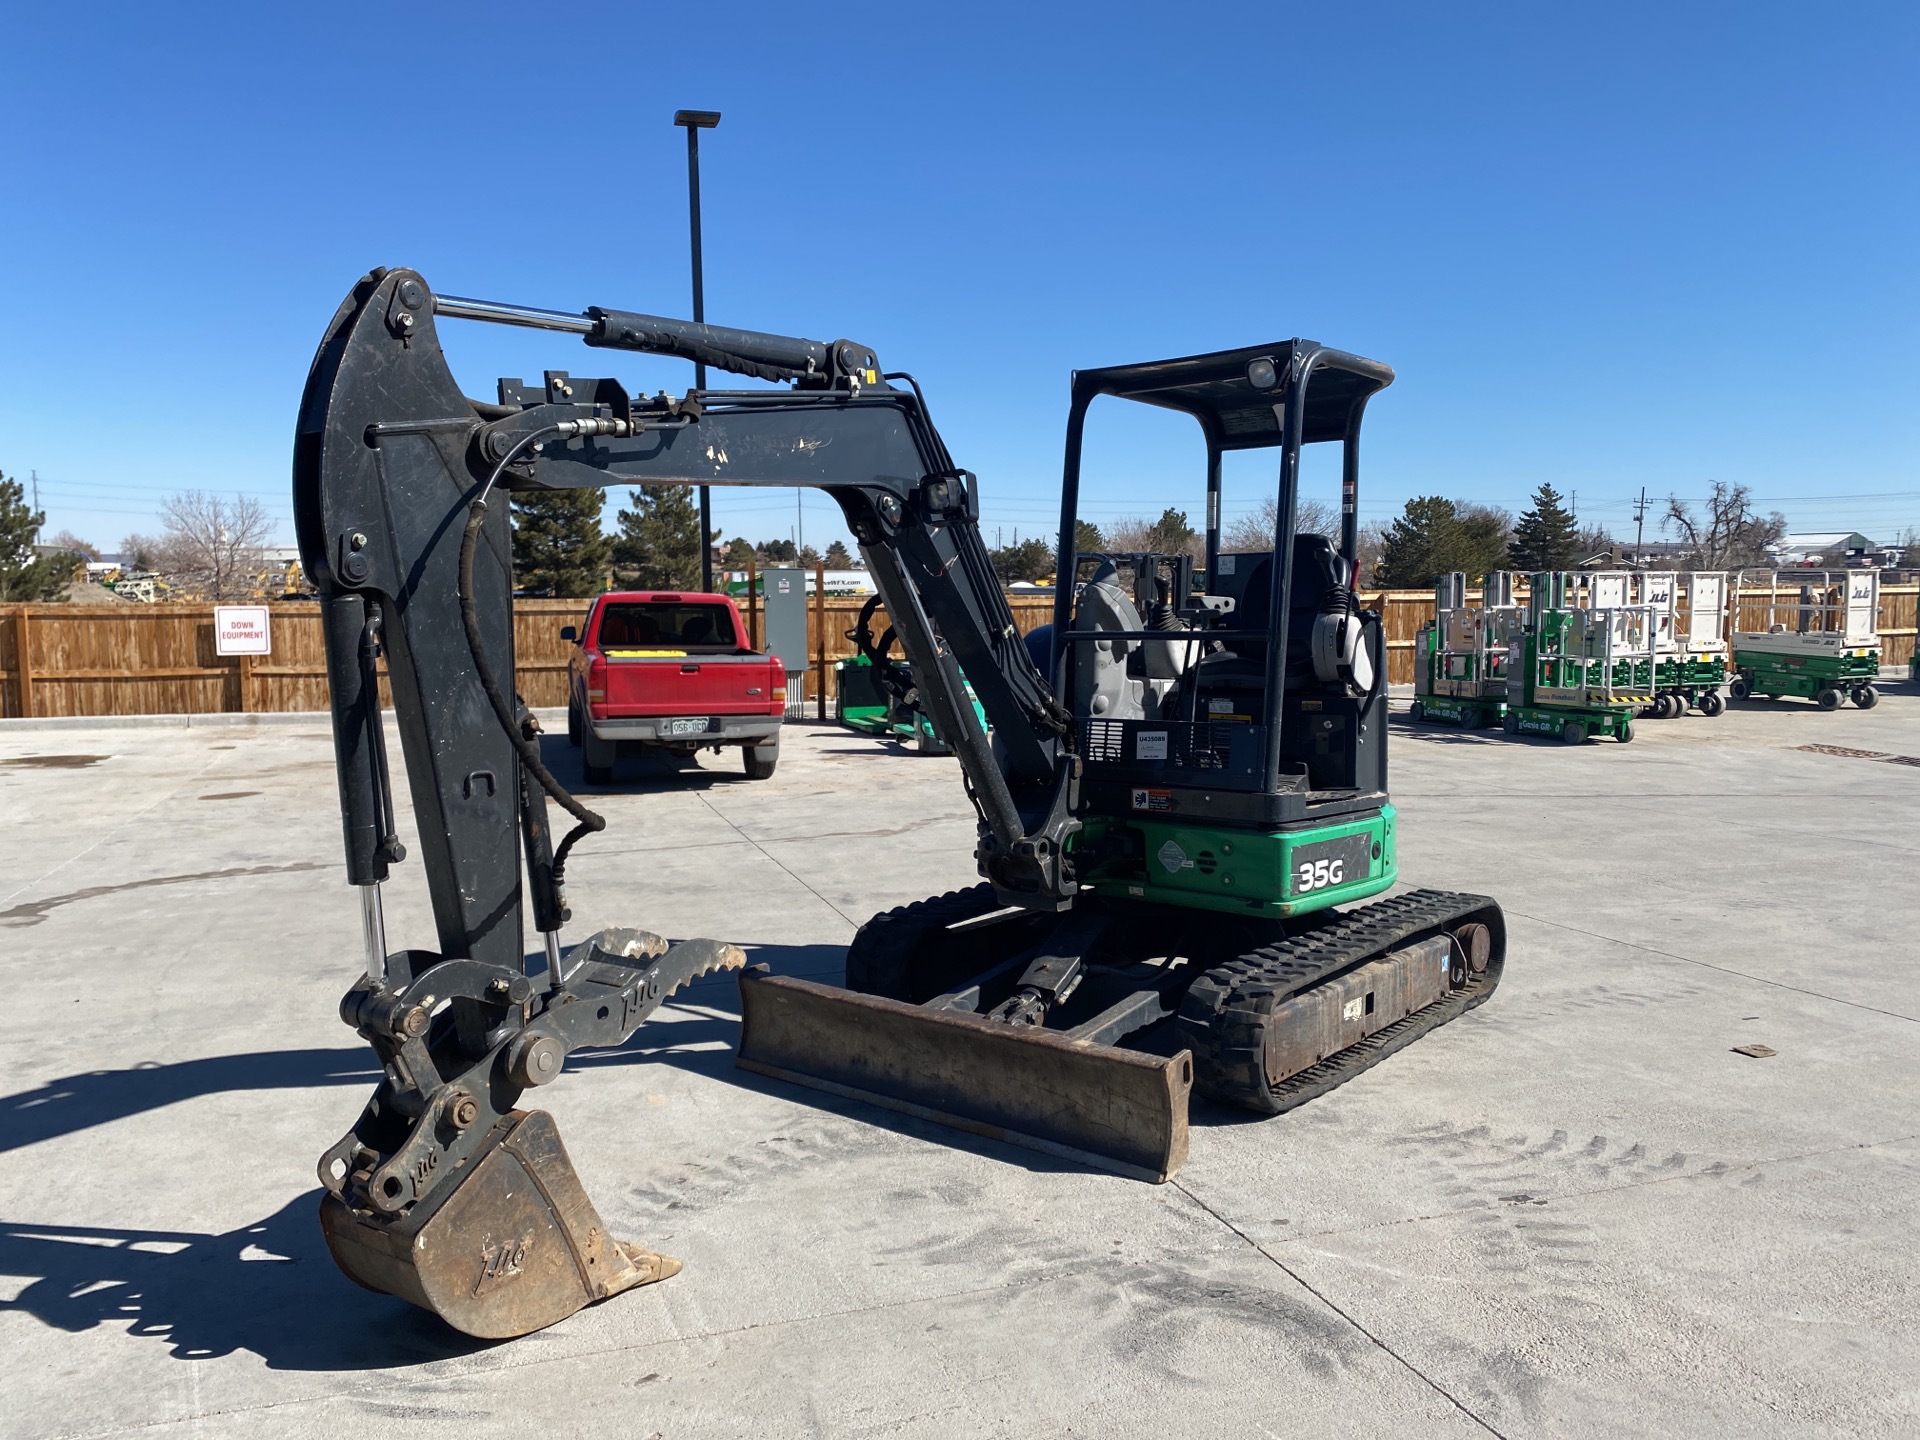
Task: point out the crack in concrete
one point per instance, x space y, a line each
1709 965
856 924
1293 1275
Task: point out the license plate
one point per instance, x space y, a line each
687 727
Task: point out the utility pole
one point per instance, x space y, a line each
38 538
695 121
1639 524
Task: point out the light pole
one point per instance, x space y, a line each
695 121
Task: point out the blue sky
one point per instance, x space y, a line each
1606 246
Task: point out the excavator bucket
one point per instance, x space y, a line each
512 1248
1118 1110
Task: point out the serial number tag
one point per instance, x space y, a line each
687 727
1327 863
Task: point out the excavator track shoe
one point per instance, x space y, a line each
1117 1110
513 1247
1288 1022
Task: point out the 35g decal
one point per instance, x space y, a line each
1318 875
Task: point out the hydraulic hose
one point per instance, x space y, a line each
589 823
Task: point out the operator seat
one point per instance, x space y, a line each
1317 567
1232 680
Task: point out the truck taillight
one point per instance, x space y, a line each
597 679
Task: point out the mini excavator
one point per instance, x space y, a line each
1181 782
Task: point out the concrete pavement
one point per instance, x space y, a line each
1574 1213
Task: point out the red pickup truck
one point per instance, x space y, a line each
674 672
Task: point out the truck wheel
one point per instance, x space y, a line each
1573 733
1739 687
597 757
760 760
1866 697
1828 699
1416 711
1711 704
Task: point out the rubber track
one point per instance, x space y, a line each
1225 1015
881 959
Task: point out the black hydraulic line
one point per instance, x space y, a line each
589 822
389 844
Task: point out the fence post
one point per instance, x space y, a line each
22 662
753 605
820 625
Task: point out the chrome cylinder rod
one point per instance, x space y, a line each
498 313
373 930
554 978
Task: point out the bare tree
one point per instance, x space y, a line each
140 552
1910 549
1372 551
1730 535
1255 531
212 544
1595 541
71 544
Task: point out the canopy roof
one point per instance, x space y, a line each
1214 389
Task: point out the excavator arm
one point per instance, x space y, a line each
444 1191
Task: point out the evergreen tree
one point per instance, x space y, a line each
23 574
1434 535
778 552
558 548
1546 537
1420 544
838 557
1022 560
1486 531
1172 535
739 552
1087 539
658 547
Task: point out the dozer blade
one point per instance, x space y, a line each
513 1247
1118 1110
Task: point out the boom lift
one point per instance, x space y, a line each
1167 811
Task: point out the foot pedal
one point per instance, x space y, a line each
513 1247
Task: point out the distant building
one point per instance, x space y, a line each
1651 554
1848 547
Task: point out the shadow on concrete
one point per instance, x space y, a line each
269 1287
99 1097
655 771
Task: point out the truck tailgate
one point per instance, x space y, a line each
643 684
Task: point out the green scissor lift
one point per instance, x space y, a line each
1583 664
1822 645
1460 661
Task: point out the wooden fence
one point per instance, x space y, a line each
160 659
